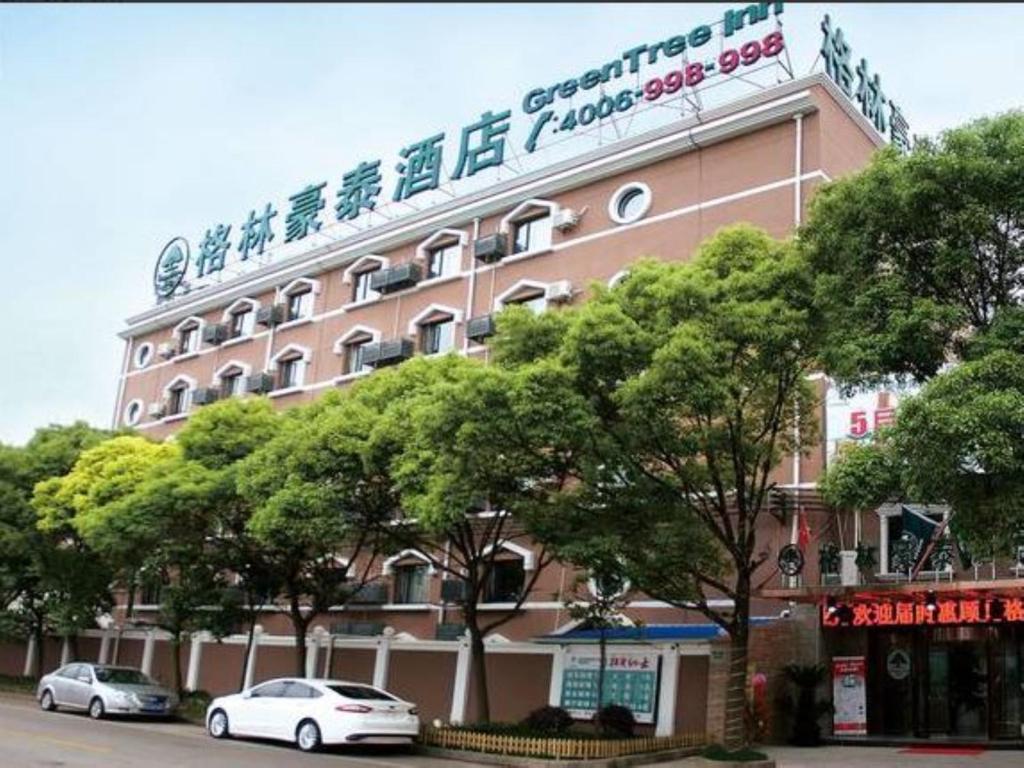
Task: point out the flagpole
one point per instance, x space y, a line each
931 544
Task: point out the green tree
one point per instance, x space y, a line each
917 253
480 456
696 373
318 508
49 582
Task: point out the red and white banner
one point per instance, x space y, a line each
849 697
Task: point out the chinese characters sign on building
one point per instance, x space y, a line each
859 416
882 112
568 107
908 613
630 679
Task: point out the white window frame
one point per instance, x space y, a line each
199 324
442 239
359 267
343 342
526 555
186 403
508 296
297 286
616 200
522 213
233 309
147 348
218 376
126 419
303 354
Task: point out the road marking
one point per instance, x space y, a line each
78 745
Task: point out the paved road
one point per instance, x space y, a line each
31 737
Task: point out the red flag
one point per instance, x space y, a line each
803 537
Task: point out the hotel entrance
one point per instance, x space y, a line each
945 683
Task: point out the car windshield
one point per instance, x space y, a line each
361 692
124 676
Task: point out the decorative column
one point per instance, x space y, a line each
104 647
195 659
557 673
65 651
383 657
329 657
31 655
667 695
313 649
460 689
147 652
250 667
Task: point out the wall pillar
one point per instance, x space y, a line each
557 671
667 696
250 667
313 643
104 647
65 651
382 659
147 653
195 660
329 657
31 656
718 683
460 689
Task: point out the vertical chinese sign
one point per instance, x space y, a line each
849 697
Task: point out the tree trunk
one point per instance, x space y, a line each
478 665
40 637
736 688
602 654
299 626
73 646
176 662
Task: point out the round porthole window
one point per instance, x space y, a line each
629 203
133 413
143 355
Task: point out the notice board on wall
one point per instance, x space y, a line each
630 679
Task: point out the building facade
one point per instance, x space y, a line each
429 284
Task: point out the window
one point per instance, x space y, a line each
532 234
272 690
411 583
535 302
444 261
188 338
294 690
354 352
241 323
505 582
361 692
231 383
629 203
300 304
133 413
891 533
177 400
72 671
151 592
361 290
122 676
289 372
438 337
143 355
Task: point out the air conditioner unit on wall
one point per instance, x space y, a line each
566 219
166 350
559 291
157 410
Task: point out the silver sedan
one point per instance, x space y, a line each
100 689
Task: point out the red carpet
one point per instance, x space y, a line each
963 751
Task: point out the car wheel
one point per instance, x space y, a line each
96 709
218 726
308 736
46 701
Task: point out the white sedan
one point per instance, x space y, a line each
311 713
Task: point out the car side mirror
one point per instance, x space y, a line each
246 694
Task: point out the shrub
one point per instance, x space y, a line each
549 721
805 708
744 755
615 720
193 706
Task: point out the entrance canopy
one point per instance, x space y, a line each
649 633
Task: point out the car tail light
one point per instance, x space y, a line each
357 708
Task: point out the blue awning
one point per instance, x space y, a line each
649 633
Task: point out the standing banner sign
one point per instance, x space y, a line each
849 697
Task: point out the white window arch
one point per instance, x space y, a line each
143 354
520 289
299 298
442 253
524 554
360 264
388 565
434 311
300 285
252 305
240 372
178 394
528 209
355 332
282 362
188 334
352 345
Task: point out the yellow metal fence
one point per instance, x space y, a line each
557 748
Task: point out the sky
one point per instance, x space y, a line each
122 126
